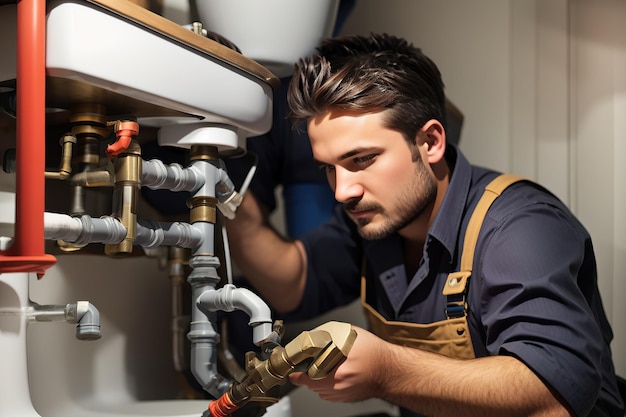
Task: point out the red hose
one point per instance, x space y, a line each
27 251
222 407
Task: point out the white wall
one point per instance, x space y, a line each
542 86
598 107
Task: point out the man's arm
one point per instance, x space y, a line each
435 385
276 267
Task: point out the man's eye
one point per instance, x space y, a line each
326 168
364 160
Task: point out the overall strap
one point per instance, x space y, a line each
456 286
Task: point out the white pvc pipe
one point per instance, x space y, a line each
230 298
83 229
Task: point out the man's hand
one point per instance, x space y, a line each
356 378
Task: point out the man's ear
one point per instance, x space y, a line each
432 141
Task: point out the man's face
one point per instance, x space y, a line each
380 178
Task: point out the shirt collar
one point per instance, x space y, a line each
447 224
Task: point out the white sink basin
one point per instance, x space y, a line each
136 62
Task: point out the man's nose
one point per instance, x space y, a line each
347 186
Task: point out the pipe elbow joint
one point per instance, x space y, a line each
230 298
204 369
87 318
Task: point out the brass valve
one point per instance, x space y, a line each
316 352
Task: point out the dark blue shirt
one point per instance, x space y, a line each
533 292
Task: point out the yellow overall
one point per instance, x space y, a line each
450 337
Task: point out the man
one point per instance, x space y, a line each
538 340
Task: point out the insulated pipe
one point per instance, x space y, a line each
152 234
108 230
230 298
83 229
156 176
27 252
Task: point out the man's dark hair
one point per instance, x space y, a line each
366 74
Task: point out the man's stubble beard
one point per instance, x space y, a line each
410 204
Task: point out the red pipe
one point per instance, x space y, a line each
27 251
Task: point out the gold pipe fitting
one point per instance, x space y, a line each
203 209
126 196
67 145
203 153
